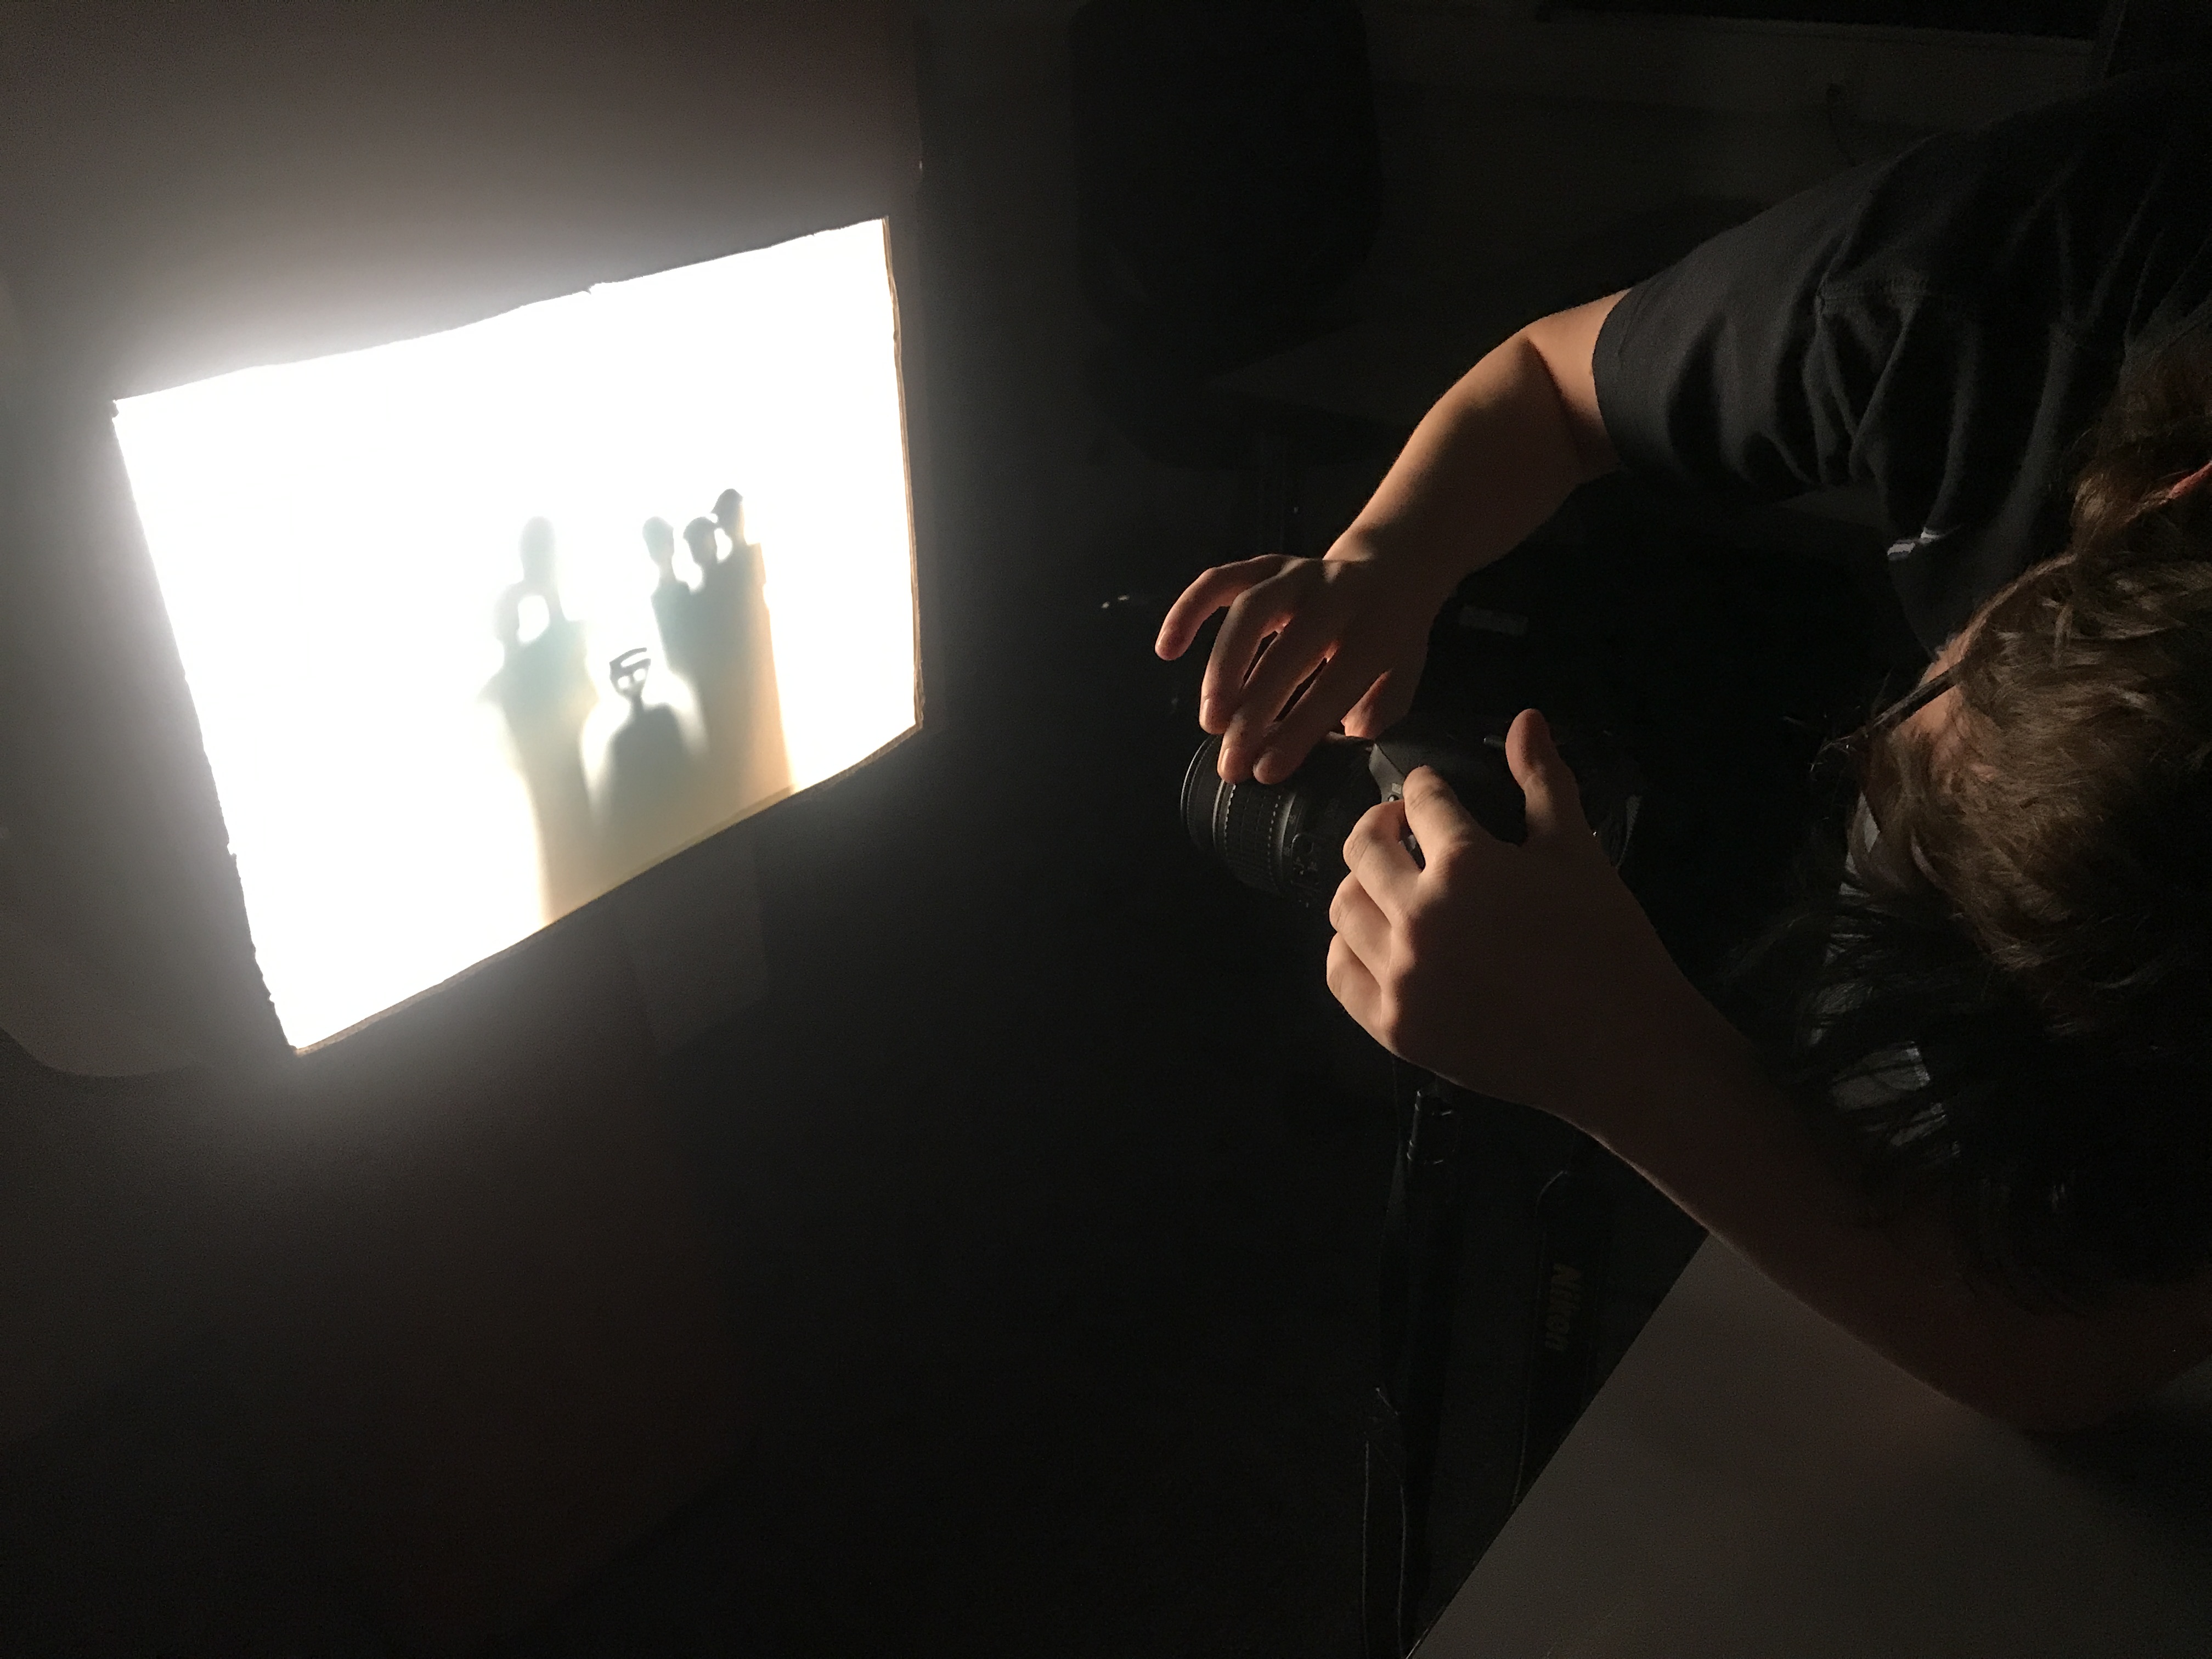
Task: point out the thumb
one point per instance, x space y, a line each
1554 799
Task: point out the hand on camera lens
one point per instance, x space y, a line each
1357 629
1527 973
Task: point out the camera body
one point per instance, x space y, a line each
1287 838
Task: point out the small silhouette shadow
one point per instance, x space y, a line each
649 807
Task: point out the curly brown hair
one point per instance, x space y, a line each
2013 1007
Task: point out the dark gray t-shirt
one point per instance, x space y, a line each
1944 326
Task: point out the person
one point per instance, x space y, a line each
1985 1146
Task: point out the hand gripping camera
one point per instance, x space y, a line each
1287 838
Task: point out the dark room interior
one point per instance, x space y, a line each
992 1266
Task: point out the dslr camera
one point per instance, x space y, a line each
1287 838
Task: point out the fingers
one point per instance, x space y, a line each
1554 799
1357 632
1352 984
1254 655
1376 854
1299 647
1215 588
1434 814
1388 701
1281 747
1360 923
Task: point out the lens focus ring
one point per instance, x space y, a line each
1239 824
1246 816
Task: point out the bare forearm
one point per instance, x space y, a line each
1496 455
1312 644
1709 1131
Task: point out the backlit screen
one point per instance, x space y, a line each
478 625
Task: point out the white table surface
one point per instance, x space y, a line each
1753 1483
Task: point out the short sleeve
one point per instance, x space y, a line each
1944 326
1717 377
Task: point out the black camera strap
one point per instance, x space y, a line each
1421 1239
1423 1242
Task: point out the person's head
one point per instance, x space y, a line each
699 537
537 560
2037 918
729 513
2059 795
660 546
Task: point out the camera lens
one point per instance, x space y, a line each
1287 838
1283 838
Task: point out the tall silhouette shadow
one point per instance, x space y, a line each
763 766
544 693
675 612
716 636
694 642
650 806
713 666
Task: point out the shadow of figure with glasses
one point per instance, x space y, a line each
648 809
544 694
1982 1139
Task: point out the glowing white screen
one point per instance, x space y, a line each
338 545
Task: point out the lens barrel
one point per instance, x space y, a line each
1287 838
1283 838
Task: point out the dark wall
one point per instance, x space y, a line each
190 189
440 1291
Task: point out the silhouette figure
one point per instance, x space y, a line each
729 516
675 608
711 651
648 808
544 693
763 769
705 551
695 641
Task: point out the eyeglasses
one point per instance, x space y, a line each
1848 760
1852 748
1908 705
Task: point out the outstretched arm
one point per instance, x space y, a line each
1529 973
1492 461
